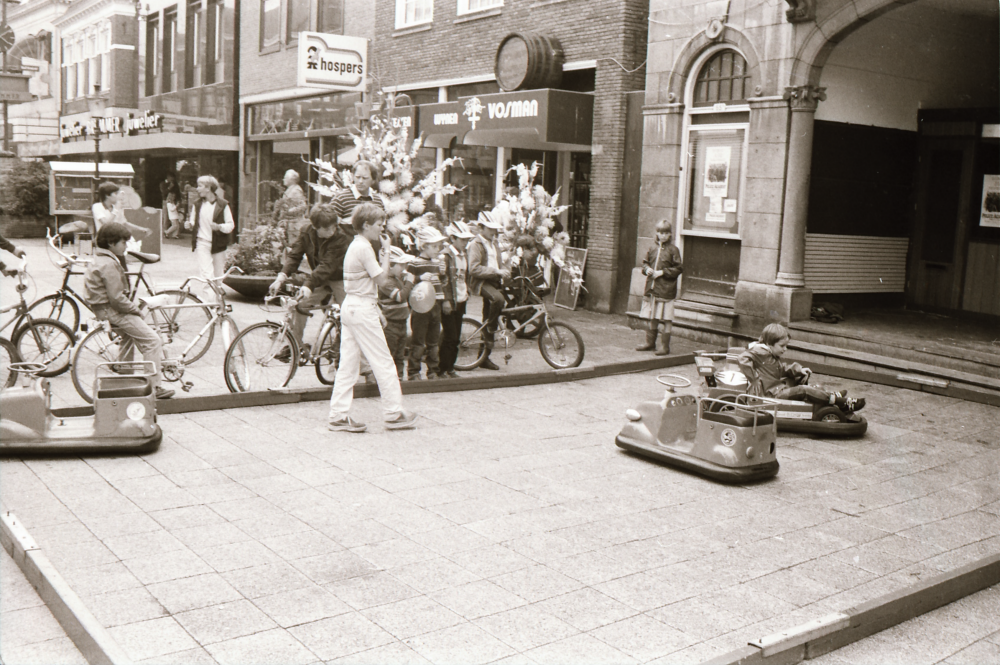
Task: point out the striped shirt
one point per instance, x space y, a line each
435 267
345 202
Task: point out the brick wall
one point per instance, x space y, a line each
599 30
275 69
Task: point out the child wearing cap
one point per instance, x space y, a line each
425 327
456 266
392 298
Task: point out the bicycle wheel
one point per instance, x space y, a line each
229 330
8 356
45 341
328 355
99 346
59 306
180 326
262 357
471 345
561 345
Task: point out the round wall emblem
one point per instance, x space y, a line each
136 411
728 437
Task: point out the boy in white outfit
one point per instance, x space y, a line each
361 327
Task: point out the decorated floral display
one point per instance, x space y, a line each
404 196
529 218
260 249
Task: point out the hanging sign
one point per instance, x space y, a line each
332 62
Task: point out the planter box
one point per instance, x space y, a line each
17 226
253 287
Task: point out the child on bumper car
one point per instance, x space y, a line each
770 377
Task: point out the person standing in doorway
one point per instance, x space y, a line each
361 327
212 225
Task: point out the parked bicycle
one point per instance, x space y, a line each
266 355
185 324
560 344
65 304
35 339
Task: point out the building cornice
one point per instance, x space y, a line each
94 9
20 12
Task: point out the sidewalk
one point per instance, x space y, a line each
507 527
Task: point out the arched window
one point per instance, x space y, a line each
723 78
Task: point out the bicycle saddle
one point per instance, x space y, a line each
144 257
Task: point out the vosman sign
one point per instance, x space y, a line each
332 62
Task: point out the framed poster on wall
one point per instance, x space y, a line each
570 278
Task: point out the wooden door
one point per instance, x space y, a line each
940 234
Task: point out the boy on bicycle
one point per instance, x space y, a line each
107 295
324 246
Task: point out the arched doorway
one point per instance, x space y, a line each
714 143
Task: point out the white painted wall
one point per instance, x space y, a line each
910 58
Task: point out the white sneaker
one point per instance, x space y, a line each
346 424
405 420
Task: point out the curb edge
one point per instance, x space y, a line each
86 632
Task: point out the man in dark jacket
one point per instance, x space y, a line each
323 245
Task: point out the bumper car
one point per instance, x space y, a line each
726 382
726 441
122 419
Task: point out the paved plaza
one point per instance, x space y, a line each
507 527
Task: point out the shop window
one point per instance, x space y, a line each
290 17
470 6
723 79
413 12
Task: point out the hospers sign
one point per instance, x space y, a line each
107 125
332 62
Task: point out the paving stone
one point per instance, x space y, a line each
411 617
161 568
56 650
225 621
193 592
121 607
300 606
464 643
149 639
477 599
583 649
334 566
267 579
340 636
643 637
526 627
536 583
270 646
586 609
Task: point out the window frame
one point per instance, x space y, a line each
284 38
400 20
463 6
689 128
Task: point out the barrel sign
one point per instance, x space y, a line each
528 61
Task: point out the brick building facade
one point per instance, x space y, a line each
446 49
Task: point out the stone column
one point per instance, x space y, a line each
791 300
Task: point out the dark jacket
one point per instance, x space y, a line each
107 283
665 257
766 372
325 256
220 240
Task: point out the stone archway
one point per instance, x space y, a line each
697 45
828 31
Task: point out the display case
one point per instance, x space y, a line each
72 185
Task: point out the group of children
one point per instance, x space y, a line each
435 327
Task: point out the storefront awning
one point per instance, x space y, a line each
164 141
538 119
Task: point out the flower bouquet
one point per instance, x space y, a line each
404 194
529 219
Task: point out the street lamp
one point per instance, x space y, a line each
97 107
